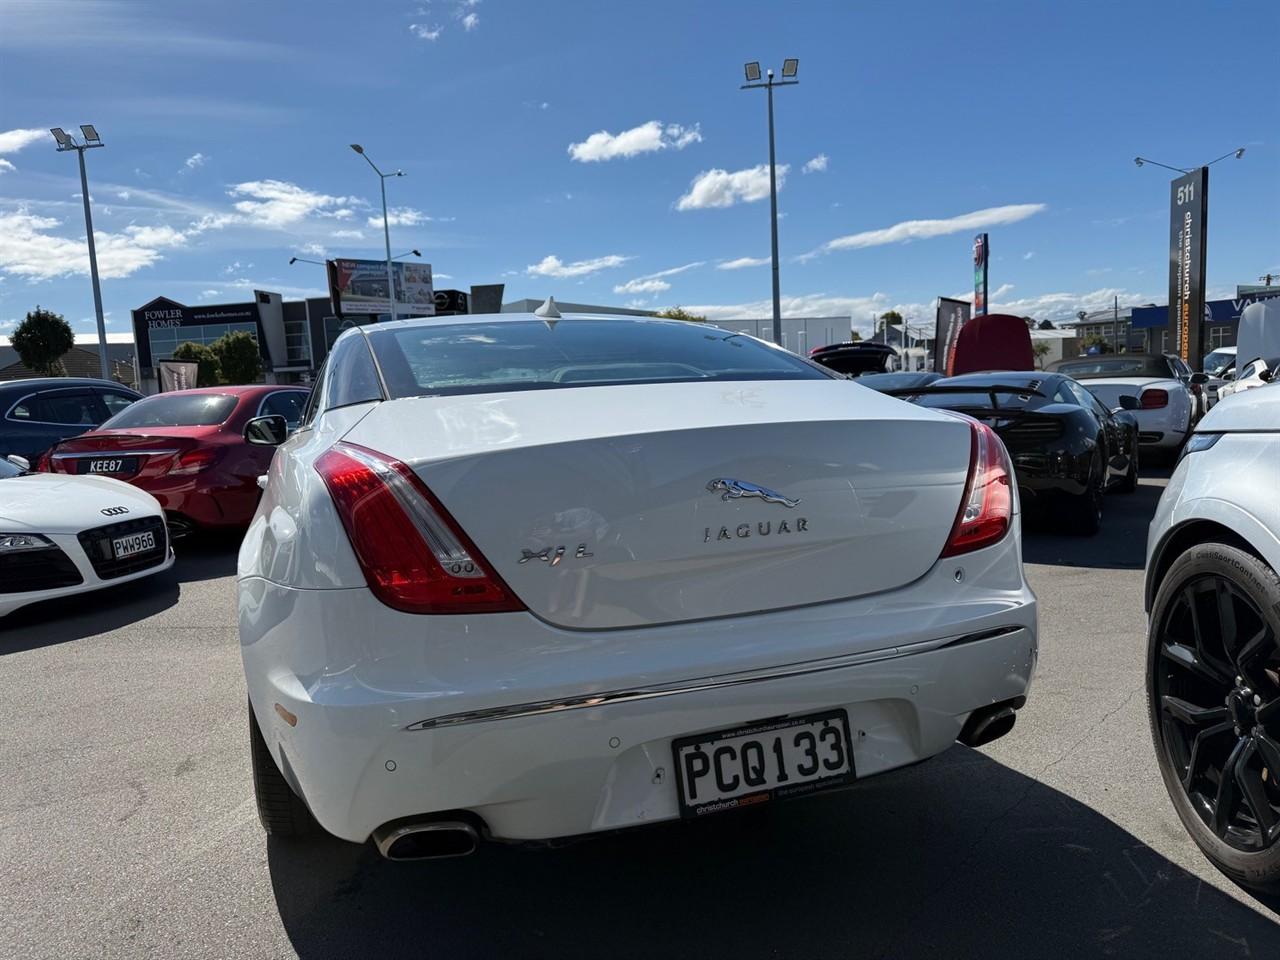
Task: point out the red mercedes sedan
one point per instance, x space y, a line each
199 452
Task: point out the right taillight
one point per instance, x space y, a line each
415 558
987 508
1153 398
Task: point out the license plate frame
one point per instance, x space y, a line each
145 542
773 788
118 465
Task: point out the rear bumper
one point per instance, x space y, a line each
398 716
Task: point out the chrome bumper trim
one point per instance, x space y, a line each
676 687
82 454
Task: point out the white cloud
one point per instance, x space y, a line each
11 141
6 166
742 262
653 282
277 203
1028 255
314 249
400 217
28 249
348 234
123 194
207 294
647 138
720 188
157 237
806 305
470 21
195 161
909 230
553 266
817 165
425 31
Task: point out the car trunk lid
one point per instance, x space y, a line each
126 454
642 504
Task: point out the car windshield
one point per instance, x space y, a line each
1216 363
174 410
494 357
1123 366
892 381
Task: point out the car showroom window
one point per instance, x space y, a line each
461 358
175 410
352 377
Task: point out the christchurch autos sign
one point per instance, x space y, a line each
360 286
1188 214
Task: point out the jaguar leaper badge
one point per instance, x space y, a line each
730 489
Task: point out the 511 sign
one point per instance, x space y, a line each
1188 210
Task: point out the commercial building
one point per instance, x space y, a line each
799 334
82 360
1145 329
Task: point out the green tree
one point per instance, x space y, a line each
855 337
41 340
239 357
1095 340
1041 350
210 371
680 313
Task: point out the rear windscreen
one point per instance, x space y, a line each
1114 367
495 357
174 410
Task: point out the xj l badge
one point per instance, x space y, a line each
730 489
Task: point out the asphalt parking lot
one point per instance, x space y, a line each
127 825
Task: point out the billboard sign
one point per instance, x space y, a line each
1188 213
952 315
981 256
360 286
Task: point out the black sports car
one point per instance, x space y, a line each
1067 448
854 358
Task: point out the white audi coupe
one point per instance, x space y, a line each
525 577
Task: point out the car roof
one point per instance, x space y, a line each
47 383
243 390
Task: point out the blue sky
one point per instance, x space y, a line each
603 153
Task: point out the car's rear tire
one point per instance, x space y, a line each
1086 509
282 812
1213 701
1130 482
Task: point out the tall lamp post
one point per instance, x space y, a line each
790 68
91 140
386 225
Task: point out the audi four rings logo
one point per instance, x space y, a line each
114 511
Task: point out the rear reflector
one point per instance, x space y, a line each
1154 398
987 508
414 556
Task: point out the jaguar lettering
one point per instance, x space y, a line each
765 528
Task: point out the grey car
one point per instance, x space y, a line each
1213 650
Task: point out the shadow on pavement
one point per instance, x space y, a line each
206 555
959 857
87 614
1120 544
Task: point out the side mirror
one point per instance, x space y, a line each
268 431
22 463
1200 379
1266 375
1230 374
1128 402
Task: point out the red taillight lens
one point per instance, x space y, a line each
987 508
415 558
1154 398
193 461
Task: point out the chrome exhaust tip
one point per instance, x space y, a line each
430 840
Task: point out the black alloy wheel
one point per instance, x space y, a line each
1088 505
1214 699
1129 483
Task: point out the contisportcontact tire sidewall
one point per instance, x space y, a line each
1260 871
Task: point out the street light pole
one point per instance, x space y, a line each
91 140
790 68
386 224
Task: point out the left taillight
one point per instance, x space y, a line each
414 556
193 461
1153 398
986 511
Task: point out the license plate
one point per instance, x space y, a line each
763 761
107 465
122 547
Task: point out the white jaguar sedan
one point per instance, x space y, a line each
61 535
526 577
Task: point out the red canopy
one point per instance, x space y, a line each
996 341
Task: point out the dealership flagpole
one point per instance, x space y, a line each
386 235
1115 324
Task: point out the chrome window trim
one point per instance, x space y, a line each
541 707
